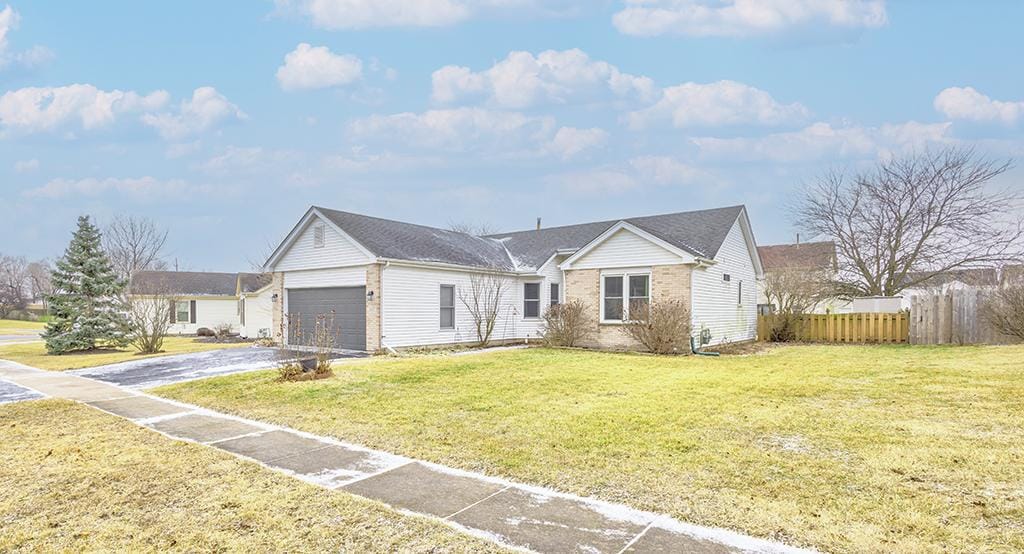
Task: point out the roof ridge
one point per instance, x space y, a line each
613 221
420 225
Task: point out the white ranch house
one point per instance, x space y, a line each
392 284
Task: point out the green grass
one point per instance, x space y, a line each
34 354
102 484
845 448
16 327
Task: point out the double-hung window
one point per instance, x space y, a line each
447 306
181 311
625 296
531 300
554 294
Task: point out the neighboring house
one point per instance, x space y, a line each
1011 275
203 299
816 259
960 279
391 284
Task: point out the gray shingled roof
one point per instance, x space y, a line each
195 283
698 232
406 241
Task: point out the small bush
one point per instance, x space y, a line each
567 324
662 327
264 341
205 332
222 331
786 327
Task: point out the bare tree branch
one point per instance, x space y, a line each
477 229
134 244
914 217
483 300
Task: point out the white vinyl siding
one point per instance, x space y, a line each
411 298
716 303
258 314
209 313
317 278
626 249
337 251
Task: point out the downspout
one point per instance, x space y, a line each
384 344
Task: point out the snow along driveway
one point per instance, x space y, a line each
152 372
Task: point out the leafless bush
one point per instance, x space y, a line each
14 284
482 300
567 324
222 331
325 337
149 319
1004 311
786 326
322 340
662 327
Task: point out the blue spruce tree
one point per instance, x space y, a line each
86 304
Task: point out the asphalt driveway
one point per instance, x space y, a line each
9 392
152 372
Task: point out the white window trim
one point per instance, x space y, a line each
188 312
540 300
440 307
625 293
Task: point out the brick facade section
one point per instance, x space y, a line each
668 282
374 273
277 307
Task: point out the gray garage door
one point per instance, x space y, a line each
346 304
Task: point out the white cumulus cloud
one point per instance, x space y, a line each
822 141
967 103
635 173
204 110
362 14
144 187
716 104
742 18
313 67
506 134
551 77
26 166
40 109
34 56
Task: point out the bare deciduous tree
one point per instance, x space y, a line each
134 244
483 300
477 229
1004 310
14 284
914 217
567 324
149 319
796 290
40 283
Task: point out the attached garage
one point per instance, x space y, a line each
347 305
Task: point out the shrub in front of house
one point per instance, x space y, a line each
662 327
567 324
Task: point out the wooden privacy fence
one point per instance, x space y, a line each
860 327
953 317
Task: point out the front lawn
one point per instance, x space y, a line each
17 327
842 448
34 354
78 480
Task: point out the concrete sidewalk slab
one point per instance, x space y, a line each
270 446
662 541
418 488
71 387
343 462
203 428
550 523
139 407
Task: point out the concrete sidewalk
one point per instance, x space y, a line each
516 515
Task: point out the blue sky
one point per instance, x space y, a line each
224 121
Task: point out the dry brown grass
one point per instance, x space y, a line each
845 449
75 479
